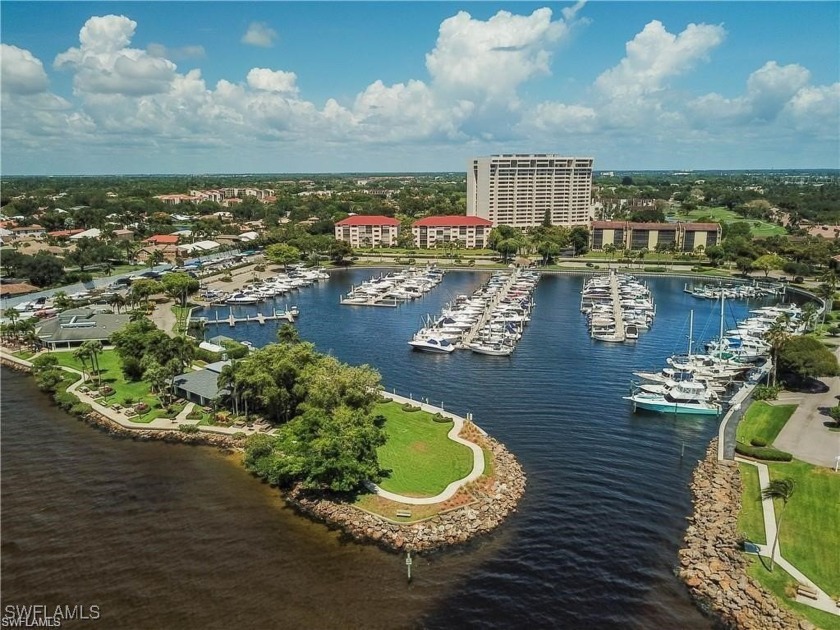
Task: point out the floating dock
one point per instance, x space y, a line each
259 318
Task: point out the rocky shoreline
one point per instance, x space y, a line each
711 563
488 500
492 501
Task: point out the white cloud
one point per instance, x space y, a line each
104 65
182 52
20 71
272 80
558 118
655 55
489 59
770 87
259 34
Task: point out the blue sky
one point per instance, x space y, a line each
236 87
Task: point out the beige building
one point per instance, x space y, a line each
520 190
470 232
683 237
368 231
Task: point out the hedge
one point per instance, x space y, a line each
438 417
767 453
409 407
188 428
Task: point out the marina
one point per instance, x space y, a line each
394 288
617 306
288 315
489 322
574 388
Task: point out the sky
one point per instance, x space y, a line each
90 88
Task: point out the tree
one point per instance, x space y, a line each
282 254
81 354
744 265
180 286
777 335
805 357
781 489
768 262
93 348
716 254
155 258
288 334
339 251
579 237
43 269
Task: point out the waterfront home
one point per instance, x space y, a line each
75 326
685 237
368 231
471 232
200 386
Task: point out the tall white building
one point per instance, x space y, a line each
518 189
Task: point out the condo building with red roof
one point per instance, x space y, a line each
471 232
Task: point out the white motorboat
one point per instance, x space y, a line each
438 345
243 298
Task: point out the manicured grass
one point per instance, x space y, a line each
422 460
810 535
783 586
111 369
759 228
23 354
751 518
763 421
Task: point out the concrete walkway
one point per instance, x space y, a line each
823 602
452 488
806 435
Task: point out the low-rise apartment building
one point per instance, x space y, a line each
368 231
471 232
683 237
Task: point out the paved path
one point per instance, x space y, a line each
806 435
452 488
164 318
824 601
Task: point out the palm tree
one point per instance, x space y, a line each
777 335
94 349
117 301
809 311
81 353
781 489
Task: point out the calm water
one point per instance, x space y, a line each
166 536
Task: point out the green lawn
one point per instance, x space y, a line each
759 229
810 532
422 460
751 518
763 421
110 366
783 586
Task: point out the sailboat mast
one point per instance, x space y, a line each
690 330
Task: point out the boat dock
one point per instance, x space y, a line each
260 318
488 311
618 312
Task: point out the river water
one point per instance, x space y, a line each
170 536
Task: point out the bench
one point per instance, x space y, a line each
806 591
404 513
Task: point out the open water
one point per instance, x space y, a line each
169 536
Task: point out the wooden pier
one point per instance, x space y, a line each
260 318
471 333
618 313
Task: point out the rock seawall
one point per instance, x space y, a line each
711 563
492 502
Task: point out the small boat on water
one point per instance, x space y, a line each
438 345
686 397
243 298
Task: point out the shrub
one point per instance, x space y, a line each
65 400
194 415
81 409
141 407
128 400
131 369
758 442
239 435
226 278
43 361
259 267
409 407
188 428
439 417
106 390
655 269
766 392
767 453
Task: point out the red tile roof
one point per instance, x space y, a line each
452 221
368 219
163 239
64 233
